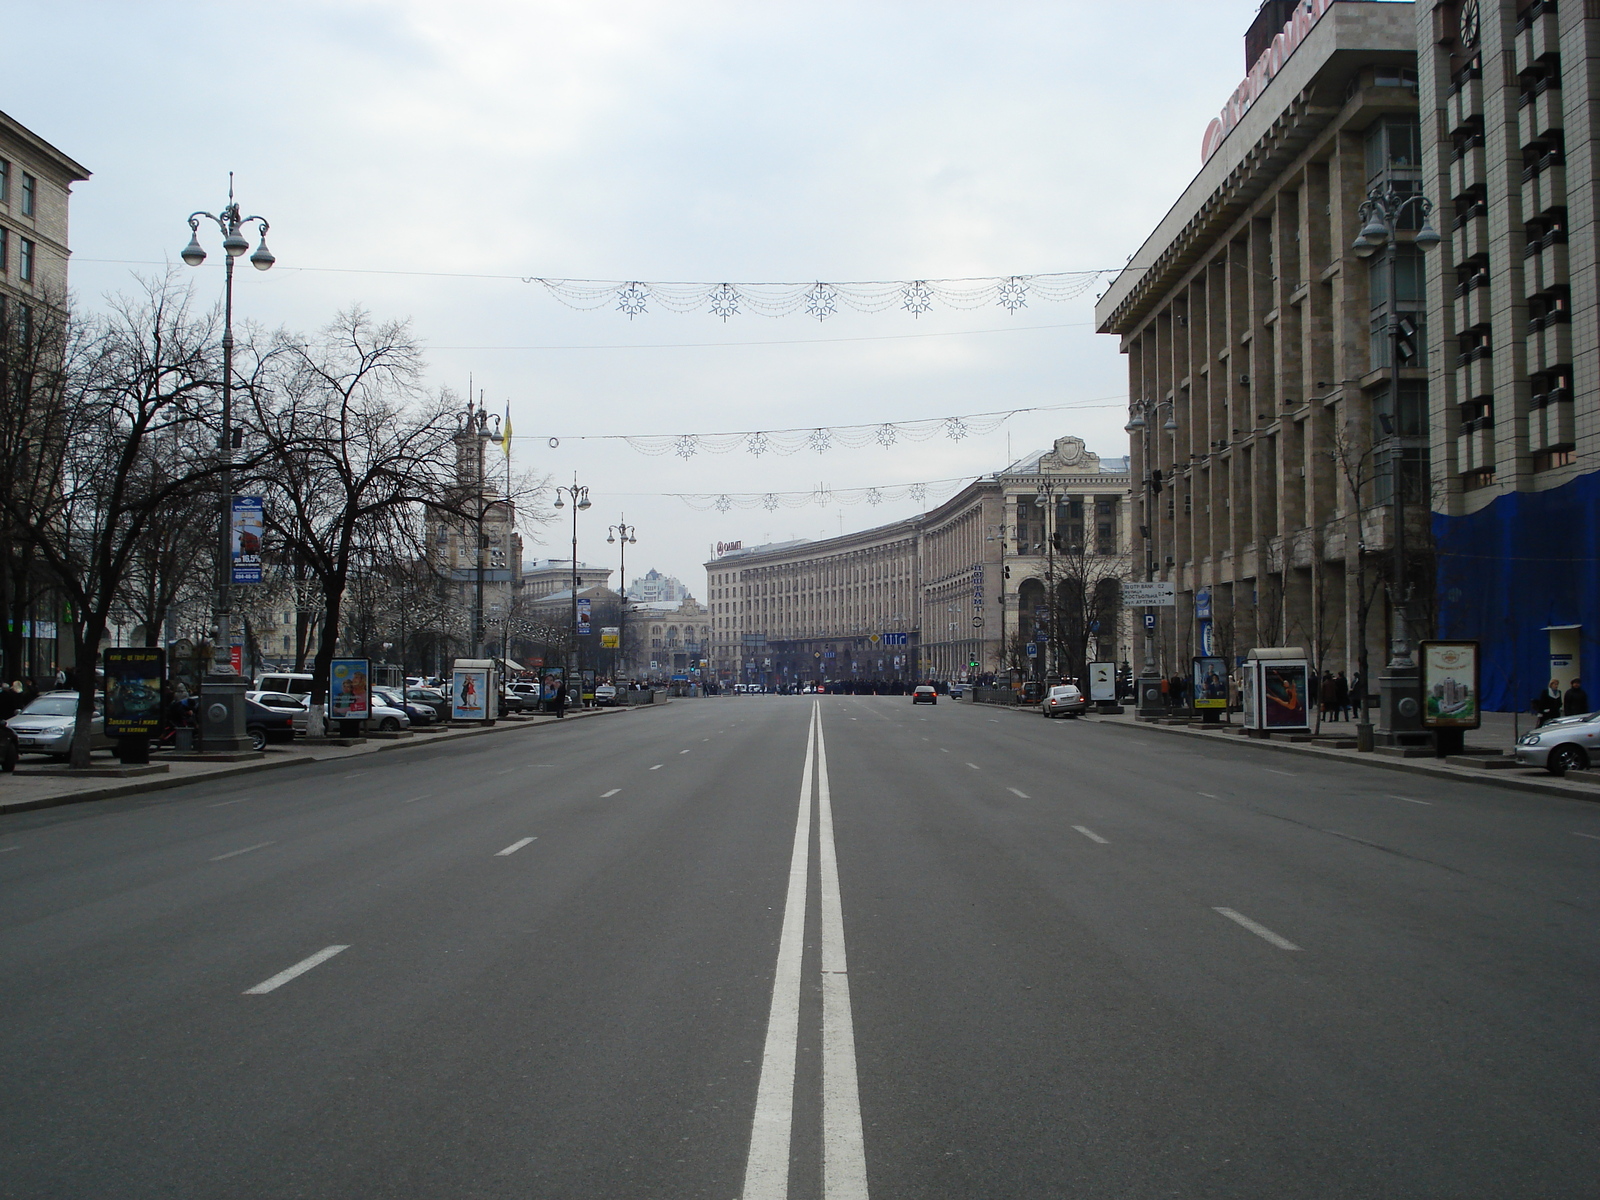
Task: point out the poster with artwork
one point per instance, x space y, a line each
247 529
1450 685
469 694
1210 679
349 690
1283 696
133 689
1102 681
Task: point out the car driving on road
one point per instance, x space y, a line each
924 694
1064 700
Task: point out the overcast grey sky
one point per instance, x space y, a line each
657 141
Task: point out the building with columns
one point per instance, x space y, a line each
956 592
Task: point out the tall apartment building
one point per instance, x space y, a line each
35 186
1511 149
967 582
1261 372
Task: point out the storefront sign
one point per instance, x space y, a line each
133 690
1267 66
1450 685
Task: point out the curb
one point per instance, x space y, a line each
160 783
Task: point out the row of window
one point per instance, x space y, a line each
27 252
30 189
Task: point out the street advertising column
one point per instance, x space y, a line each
1209 687
1103 683
134 675
349 694
1276 682
473 695
1450 692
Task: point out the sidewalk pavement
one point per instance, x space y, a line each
30 787
1497 735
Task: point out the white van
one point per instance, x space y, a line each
294 684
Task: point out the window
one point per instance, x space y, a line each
5 249
5 182
1482 478
1556 456
1392 144
25 260
30 194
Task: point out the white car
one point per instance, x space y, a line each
46 725
1565 744
383 716
1064 700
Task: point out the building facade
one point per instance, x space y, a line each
655 588
957 592
1279 429
1511 149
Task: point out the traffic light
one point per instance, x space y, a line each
1405 341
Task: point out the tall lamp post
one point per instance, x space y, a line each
580 501
1142 412
1001 532
1400 711
222 690
621 535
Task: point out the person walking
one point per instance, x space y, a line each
561 699
1341 696
1358 697
1546 705
1325 693
1576 702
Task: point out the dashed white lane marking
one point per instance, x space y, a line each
414 799
1575 833
1275 771
1022 795
975 766
514 847
942 750
611 793
1261 931
353 774
1208 795
246 850
1409 800
1091 835
225 803
658 766
300 968
9 849
507 771
683 752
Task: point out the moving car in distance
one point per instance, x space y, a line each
1064 700
924 694
1565 744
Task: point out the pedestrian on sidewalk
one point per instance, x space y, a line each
561 699
1358 697
1576 702
1341 696
1546 705
1325 693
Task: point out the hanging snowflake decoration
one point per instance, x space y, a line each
820 302
823 497
887 435
1013 294
757 444
918 492
725 301
686 445
916 298
874 496
955 428
770 501
631 300
722 504
820 440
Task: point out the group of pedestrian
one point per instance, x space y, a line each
1553 702
16 696
1336 697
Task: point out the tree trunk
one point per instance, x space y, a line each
87 654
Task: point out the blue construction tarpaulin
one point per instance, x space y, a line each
1526 561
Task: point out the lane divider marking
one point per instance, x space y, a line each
1261 931
975 766
1091 835
658 766
246 850
514 847
300 968
1575 833
611 793
1209 796
1020 795
1275 771
1409 800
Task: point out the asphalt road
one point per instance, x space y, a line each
930 952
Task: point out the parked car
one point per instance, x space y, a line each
1064 700
514 701
924 693
418 712
265 724
293 682
46 725
1565 744
297 708
10 750
432 697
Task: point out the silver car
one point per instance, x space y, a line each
1565 744
46 725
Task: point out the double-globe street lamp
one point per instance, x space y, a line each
621 535
222 690
1142 412
1381 215
580 501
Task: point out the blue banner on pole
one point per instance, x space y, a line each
249 524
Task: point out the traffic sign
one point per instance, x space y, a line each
976 622
1157 593
1150 621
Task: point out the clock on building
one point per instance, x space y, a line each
1469 24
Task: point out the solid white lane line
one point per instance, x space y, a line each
300 968
766 1173
611 793
246 850
1022 795
1409 800
1275 771
514 847
658 766
844 1158
1261 931
1208 796
942 750
1596 837
1091 835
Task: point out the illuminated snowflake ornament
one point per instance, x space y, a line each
887 435
916 298
686 445
955 428
631 300
821 302
757 444
918 492
723 504
820 440
725 301
1013 294
874 496
770 501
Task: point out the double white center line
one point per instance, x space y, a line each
844 1167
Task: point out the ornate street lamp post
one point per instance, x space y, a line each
580 501
1142 413
621 536
222 690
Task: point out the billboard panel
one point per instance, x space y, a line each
249 524
1450 691
1210 682
349 690
133 690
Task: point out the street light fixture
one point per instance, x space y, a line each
621 534
580 501
222 690
1142 412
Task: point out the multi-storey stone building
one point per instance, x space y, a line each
1511 149
960 590
1273 427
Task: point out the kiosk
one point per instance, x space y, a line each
1275 691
